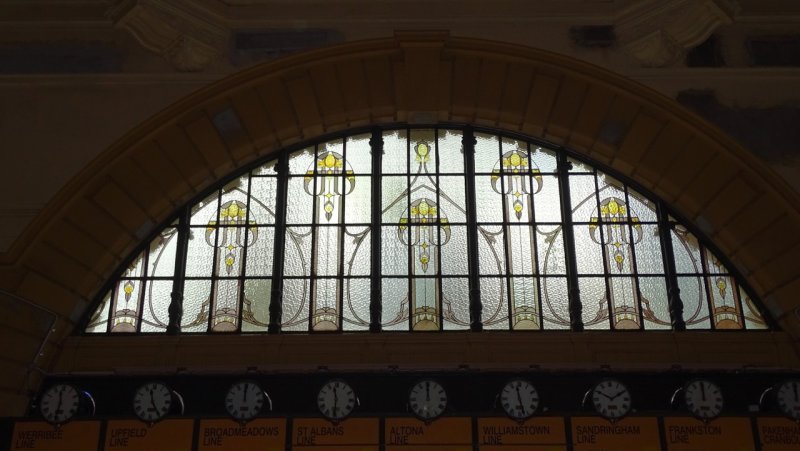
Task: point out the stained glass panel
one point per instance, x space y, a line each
161 258
555 303
296 299
263 192
487 152
325 313
752 317
454 251
200 253
204 212
260 252
358 203
196 295
595 302
359 154
524 303
495 303
155 314
395 152
394 296
451 155
301 161
98 322
297 254
695 302
357 297
255 309
544 159
649 259
624 302
654 303
357 251
455 303
547 201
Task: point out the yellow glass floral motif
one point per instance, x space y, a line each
613 220
511 176
232 215
421 216
329 168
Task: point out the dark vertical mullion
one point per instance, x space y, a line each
468 142
573 290
601 225
376 301
705 277
175 308
438 280
242 272
673 288
312 288
506 229
214 276
143 280
276 296
410 250
537 277
634 260
342 227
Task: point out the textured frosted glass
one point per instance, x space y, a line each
231 248
610 187
642 207
225 309
451 156
625 302
524 303
521 245
547 202
395 152
235 190
509 144
579 166
551 250
200 254
451 198
205 211
583 197
394 199
425 297
299 202
296 299
266 169
127 295
336 146
359 154
713 264
491 252
328 251
487 153
555 303
358 204
331 191
394 254
686 251
357 251
617 247
325 309
589 254
161 260
544 159
260 253
263 192
136 267
489 203
726 308
423 158
157 297
196 295
593 298
649 259
695 303
455 303
394 295
495 303
752 317
357 297
454 253
98 323
255 311
297 253
654 303
301 161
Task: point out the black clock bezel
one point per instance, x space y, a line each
267 400
355 400
173 397
686 399
446 400
597 410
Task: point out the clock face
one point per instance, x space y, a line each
788 397
152 401
703 399
427 399
59 403
245 400
336 399
519 399
611 399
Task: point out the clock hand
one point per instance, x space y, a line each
58 407
703 390
607 397
244 398
427 391
153 401
335 400
519 398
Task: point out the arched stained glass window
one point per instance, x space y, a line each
425 229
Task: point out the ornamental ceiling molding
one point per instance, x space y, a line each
658 32
180 32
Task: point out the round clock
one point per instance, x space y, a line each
245 399
611 399
153 401
703 399
519 399
336 399
788 398
427 399
60 403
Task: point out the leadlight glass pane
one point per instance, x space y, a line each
487 152
255 309
647 245
395 152
225 313
613 205
205 212
260 251
644 208
266 169
422 154
551 249
687 251
157 297
547 201
297 253
488 202
196 295
394 294
654 303
233 204
544 159
588 251
395 199
727 313
302 161
521 245
524 303
584 198
452 199
231 245
295 304
359 154
579 166
125 308
394 260
328 250
454 250
752 317
136 268
555 303
300 201
495 303
98 322
455 303
200 251
358 203
263 193
325 311
695 302
357 296
451 154
425 304
357 251
161 258
624 302
595 303
491 252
